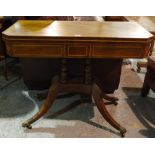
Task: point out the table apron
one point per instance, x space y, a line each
78 49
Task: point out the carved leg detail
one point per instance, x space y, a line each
96 92
52 94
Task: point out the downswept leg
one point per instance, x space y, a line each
96 93
52 94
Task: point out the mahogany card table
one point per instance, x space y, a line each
82 40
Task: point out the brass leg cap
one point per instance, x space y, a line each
122 131
27 125
115 103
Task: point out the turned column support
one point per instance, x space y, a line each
63 74
88 74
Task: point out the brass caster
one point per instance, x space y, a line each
115 103
122 131
116 98
122 134
27 125
138 70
